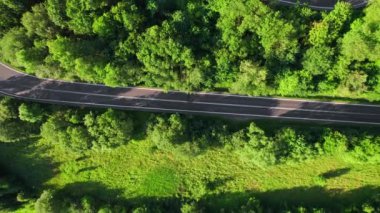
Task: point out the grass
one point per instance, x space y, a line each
137 170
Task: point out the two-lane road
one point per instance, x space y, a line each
26 87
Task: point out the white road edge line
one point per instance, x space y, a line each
201 93
204 103
190 111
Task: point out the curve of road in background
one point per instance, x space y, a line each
323 4
27 87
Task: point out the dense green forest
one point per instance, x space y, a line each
242 46
65 159
61 159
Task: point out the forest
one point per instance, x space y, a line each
65 159
243 46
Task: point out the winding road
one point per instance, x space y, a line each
26 87
323 4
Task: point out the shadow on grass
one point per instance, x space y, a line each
276 200
27 163
94 189
271 201
335 173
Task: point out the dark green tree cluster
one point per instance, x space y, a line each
12 126
243 46
81 130
282 145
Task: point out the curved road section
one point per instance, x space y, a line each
323 4
26 87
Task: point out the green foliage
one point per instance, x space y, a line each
167 61
81 14
327 31
189 163
109 129
317 61
334 142
166 131
290 146
362 42
251 79
44 203
31 112
8 18
289 84
7 109
278 38
38 23
128 14
56 11
245 46
13 42
367 149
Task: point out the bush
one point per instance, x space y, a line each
164 132
31 112
334 142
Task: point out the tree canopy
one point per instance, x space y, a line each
194 45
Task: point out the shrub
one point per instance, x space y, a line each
334 142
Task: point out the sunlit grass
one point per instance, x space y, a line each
139 170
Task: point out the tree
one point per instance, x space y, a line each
317 61
289 84
80 139
290 146
85 57
82 14
11 128
168 63
126 74
251 80
56 10
334 142
128 14
14 41
327 31
164 132
110 129
362 42
367 149
7 109
37 22
278 38
15 130
31 112
8 18
105 26
355 82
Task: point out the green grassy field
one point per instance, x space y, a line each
138 171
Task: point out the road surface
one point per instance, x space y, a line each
26 87
323 4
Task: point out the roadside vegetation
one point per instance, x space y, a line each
242 46
71 159
63 159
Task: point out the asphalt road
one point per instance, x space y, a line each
26 87
323 4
